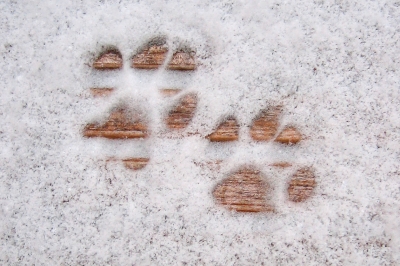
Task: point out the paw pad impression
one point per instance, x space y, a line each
154 55
111 59
226 131
264 127
243 191
301 185
120 125
181 115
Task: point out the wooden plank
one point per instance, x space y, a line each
118 126
243 191
182 61
289 135
101 92
181 115
265 126
150 58
226 131
111 59
135 163
301 185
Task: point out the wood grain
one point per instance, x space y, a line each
301 185
169 92
101 92
108 60
281 164
135 163
150 58
265 126
118 126
289 135
182 61
243 191
226 131
181 115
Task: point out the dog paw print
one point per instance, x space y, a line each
244 190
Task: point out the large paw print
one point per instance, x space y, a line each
245 190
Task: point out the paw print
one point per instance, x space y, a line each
245 190
126 123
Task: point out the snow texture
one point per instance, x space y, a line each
333 65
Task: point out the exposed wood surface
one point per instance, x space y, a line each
264 127
108 60
101 92
135 163
301 185
118 126
243 191
182 61
226 131
281 164
289 135
181 115
150 58
169 92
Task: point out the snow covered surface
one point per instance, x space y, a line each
333 65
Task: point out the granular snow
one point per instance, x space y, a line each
333 65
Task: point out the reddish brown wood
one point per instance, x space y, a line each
182 61
108 60
150 58
101 92
135 163
301 185
289 135
264 127
281 164
226 131
181 115
118 126
243 191
169 92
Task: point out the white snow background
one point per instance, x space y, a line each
333 65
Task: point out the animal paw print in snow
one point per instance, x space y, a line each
244 190
124 124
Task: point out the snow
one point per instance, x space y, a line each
332 64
